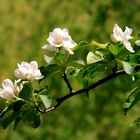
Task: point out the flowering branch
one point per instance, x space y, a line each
84 60
80 91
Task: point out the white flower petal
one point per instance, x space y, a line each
49 47
70 51
34 65
122 37
7 83
128 46
9 90
118 33
7 95
128 32
113 38
60 38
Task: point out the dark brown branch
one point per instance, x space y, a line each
83 90
67 82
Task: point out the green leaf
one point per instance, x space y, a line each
134 39
50 69
82 80
134 59
8 120
127 67
17 105
82 43
115 48
132 98
59 56
137 121
33 118
100 46
46 101
42 90
17 121
80 52
26 92
73 71
94 57
137 76
6 110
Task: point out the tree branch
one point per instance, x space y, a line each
67 82
83 90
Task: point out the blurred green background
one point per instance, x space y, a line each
24 27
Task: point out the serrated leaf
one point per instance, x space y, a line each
45 100
127 67
94 57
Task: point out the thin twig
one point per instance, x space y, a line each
67 82
83 90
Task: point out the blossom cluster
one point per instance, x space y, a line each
25 71
60 38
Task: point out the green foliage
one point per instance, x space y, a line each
115 48
26 23
26 92
132 98
94 57
46 101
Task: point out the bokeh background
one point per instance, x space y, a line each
24 27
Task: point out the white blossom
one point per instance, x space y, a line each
60 38
123 37
9 89
28 71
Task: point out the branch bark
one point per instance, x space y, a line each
67 82
83 90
